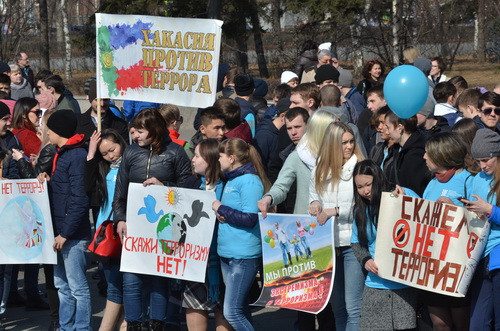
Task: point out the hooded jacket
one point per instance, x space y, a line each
411 170
171 167
242 131
239 236
68 201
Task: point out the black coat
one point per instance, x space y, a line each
109 120
7 143
411 170
172 167
43 164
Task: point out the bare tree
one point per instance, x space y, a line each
44 31
17 21
67 41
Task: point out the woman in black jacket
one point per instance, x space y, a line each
154 160
411 170
373 71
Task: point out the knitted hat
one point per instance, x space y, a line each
327 46
486 144
63 122
261 88
423 64
345 78
4 67
283 105
46 100
287 76
326 72
243 84
4 110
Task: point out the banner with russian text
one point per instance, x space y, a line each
298 257
169 231
26 233
428 245
158 59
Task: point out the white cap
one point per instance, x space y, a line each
287 76
327 46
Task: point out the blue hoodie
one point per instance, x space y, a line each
239 236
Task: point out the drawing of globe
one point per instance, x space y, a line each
22 229
164 229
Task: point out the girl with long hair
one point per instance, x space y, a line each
201 298
103 161
238 242
386 305
484 199
331 194
25 123
153 160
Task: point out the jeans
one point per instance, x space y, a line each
133 301
485 298
284 250
75 308
303 241
114 279
238 275
347 290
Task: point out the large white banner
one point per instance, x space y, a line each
158 59
169 231
428 245
26 233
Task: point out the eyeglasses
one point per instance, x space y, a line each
37 112
487 111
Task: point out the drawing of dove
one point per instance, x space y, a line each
149 210
198 213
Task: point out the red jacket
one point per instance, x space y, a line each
29 140
174 135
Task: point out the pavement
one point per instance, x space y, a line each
265 319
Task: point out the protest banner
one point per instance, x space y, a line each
26 233
428 245
158 59
298 259
169 231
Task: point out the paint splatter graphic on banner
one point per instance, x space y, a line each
122 35
113 37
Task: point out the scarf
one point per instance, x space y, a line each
446 176
74 142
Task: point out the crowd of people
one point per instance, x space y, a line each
325 146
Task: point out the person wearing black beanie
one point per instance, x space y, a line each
63 122
326 74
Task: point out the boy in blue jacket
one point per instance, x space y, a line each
70 209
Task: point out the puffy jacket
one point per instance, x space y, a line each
342 196
239 236
68 201
171 167
7 142
306 59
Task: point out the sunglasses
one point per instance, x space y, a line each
37 112
487 111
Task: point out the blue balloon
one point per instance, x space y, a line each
406 90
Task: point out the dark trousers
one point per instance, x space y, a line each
485 298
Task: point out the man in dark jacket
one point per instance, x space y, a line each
267 133
8 141
87 122
54 85
69 207
26 71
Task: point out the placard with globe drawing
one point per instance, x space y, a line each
169 231
26 233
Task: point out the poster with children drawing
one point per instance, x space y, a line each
169 231
298 259
158 59
26 234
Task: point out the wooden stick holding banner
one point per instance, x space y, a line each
99 125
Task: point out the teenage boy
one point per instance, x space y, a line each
444 93
306 96
467 103
70 214
212 126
